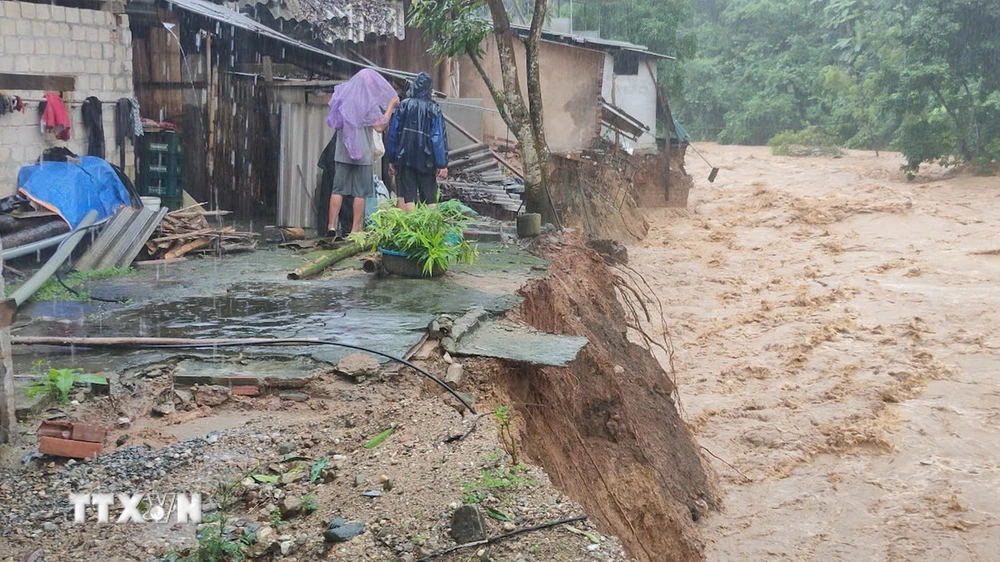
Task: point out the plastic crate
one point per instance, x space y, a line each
161 168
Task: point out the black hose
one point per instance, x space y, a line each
287 341
71 289
89 297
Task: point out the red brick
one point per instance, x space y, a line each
246 390
68 448
91 433
62 430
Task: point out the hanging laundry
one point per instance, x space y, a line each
128 124
55 119
10 104
93 121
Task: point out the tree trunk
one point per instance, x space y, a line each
526 121
8 407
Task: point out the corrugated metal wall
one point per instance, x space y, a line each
304 135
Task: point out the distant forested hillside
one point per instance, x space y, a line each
920 76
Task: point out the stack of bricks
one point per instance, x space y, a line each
93 46
68 439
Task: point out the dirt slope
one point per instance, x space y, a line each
838 332
605 429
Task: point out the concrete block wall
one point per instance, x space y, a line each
92 45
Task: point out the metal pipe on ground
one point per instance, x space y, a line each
9 306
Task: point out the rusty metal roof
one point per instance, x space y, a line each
330 21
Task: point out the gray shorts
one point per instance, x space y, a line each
353 180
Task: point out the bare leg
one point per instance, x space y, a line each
335 202
359 214
401 203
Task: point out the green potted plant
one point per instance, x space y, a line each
421 243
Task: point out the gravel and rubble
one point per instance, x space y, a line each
306 483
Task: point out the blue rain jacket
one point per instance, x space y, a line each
417 134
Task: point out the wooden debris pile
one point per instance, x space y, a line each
188 230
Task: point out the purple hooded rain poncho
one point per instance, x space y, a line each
359 103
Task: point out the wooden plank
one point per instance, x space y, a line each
473 138
44 82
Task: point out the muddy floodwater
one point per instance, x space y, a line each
838 342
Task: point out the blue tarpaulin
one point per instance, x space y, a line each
72 189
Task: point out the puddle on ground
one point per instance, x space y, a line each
387 315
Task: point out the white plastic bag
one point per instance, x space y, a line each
379 146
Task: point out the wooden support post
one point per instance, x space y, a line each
8 406
212 85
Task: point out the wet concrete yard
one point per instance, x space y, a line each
248 296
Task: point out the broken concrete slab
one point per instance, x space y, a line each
358 365
505 339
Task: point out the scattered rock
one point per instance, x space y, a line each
508 527
468 525
183 396
613 252
619 370
286 448
286 548
122 439
162 410
50 527
294 396
406 557
292 476
265 535
359 479
469 397
124 422
448 358
290 507
456 373
371 493
210 395
340 531
358 365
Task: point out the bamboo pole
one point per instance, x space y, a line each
111 342
8 409
318 266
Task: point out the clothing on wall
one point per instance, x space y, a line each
128 123
55 118
10 104
93 121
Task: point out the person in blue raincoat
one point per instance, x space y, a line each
417 146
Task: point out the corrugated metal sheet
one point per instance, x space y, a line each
337 20
304 135
242 21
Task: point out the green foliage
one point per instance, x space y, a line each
811 137
275 517
380 438
453 27
309 503
214 545
493 482
317 468
58 382
432 234
52 290
266 478
504 417
914 75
